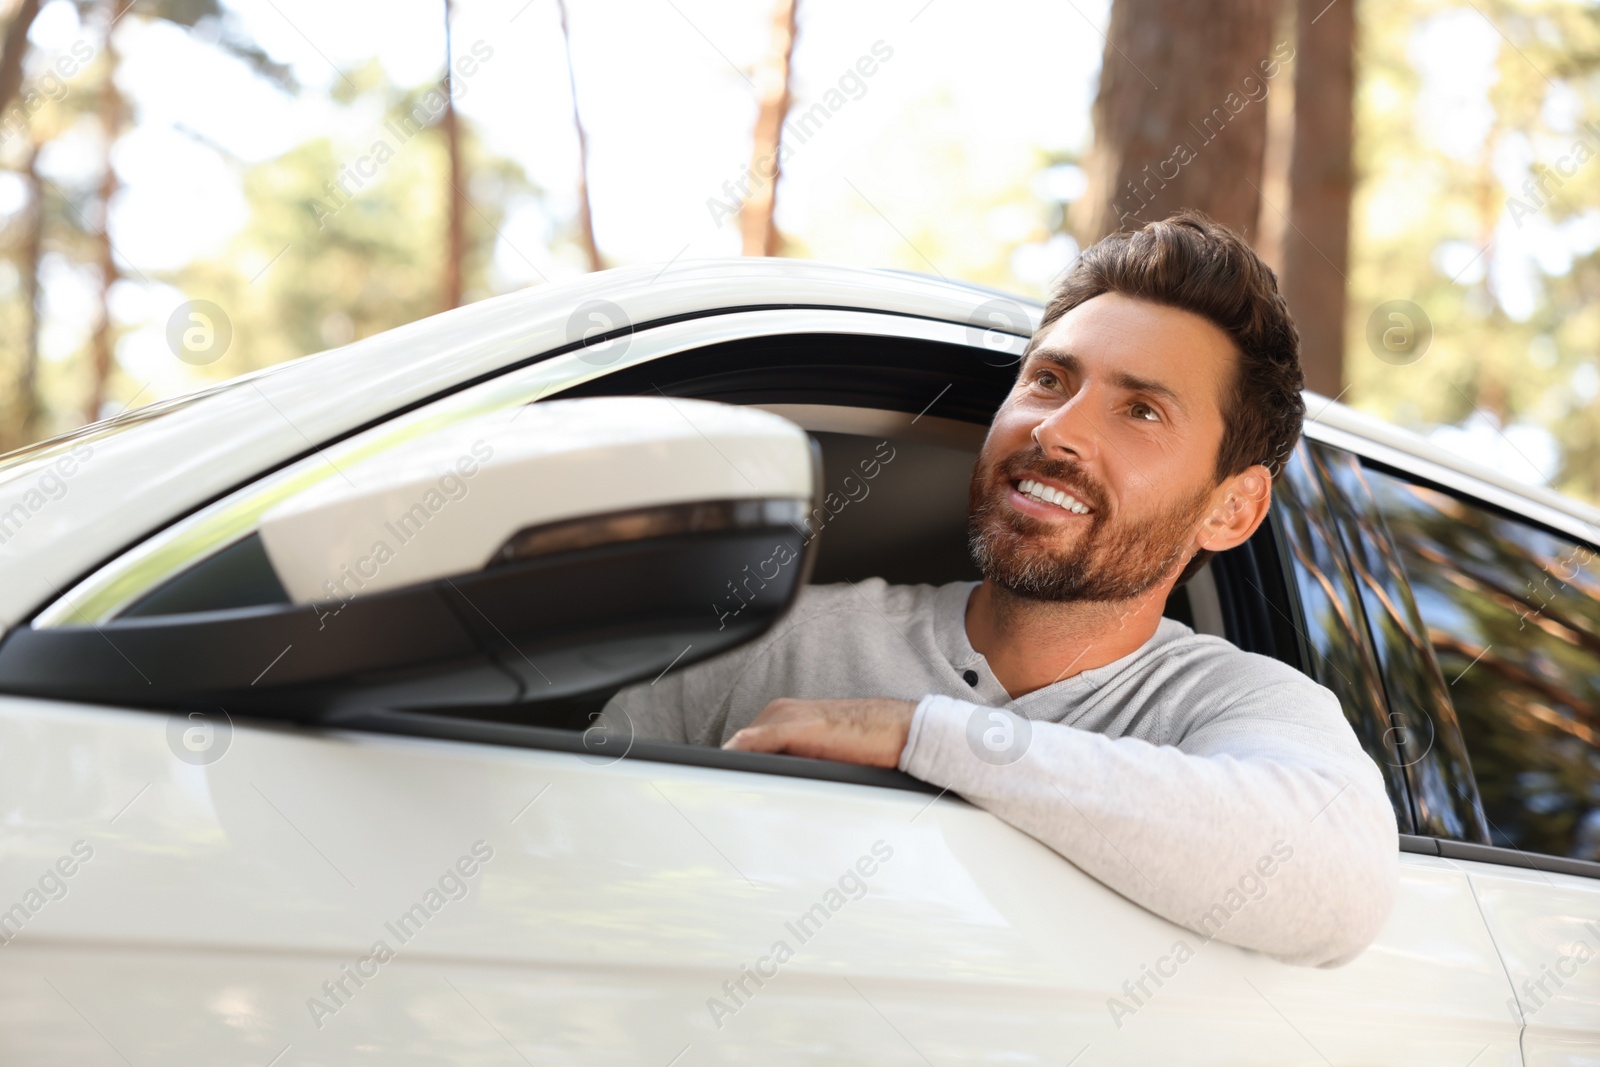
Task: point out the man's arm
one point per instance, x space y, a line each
1258 829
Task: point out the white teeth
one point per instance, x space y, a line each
1048 495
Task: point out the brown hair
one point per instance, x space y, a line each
1191 263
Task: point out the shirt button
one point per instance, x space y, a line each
970 677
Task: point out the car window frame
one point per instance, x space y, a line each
229 517
1275 633
776 320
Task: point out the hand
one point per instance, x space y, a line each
871 731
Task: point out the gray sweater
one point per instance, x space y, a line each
1222 790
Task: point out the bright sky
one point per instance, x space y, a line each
664 92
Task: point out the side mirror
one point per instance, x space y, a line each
541 552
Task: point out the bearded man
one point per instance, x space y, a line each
1151 414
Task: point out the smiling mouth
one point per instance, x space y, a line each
1050 496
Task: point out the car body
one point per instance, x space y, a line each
431 885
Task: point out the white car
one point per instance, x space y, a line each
276 795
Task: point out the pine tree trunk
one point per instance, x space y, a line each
111 120
757 222
26 423
1316 246
455 240
14 48
1180 118
591 250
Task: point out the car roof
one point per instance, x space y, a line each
134 474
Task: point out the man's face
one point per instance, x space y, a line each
1119 407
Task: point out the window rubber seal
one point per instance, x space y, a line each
579 743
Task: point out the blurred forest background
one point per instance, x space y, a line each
312 171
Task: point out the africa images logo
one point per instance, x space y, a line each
200 738
450 487
851 885
453 885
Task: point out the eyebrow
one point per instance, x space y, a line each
1121 379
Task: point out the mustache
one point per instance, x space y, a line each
1071 475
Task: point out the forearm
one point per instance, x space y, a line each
1291 854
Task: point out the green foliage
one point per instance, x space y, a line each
341 240
314 267
1421 212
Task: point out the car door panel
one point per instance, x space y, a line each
1546 925
619 898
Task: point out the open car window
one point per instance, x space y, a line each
899 424
162 558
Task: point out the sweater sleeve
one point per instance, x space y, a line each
687 704
1265 827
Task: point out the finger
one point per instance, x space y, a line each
755 739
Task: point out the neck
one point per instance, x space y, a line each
1030 644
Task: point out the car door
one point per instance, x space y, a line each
1511 608
431 883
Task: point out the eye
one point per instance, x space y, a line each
1143 411
1046 378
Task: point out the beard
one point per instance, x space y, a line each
1115 558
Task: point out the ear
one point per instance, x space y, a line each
1239 505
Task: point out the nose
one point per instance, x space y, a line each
1067 431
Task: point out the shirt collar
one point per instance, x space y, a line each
950 634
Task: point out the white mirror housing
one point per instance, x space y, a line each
443 505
